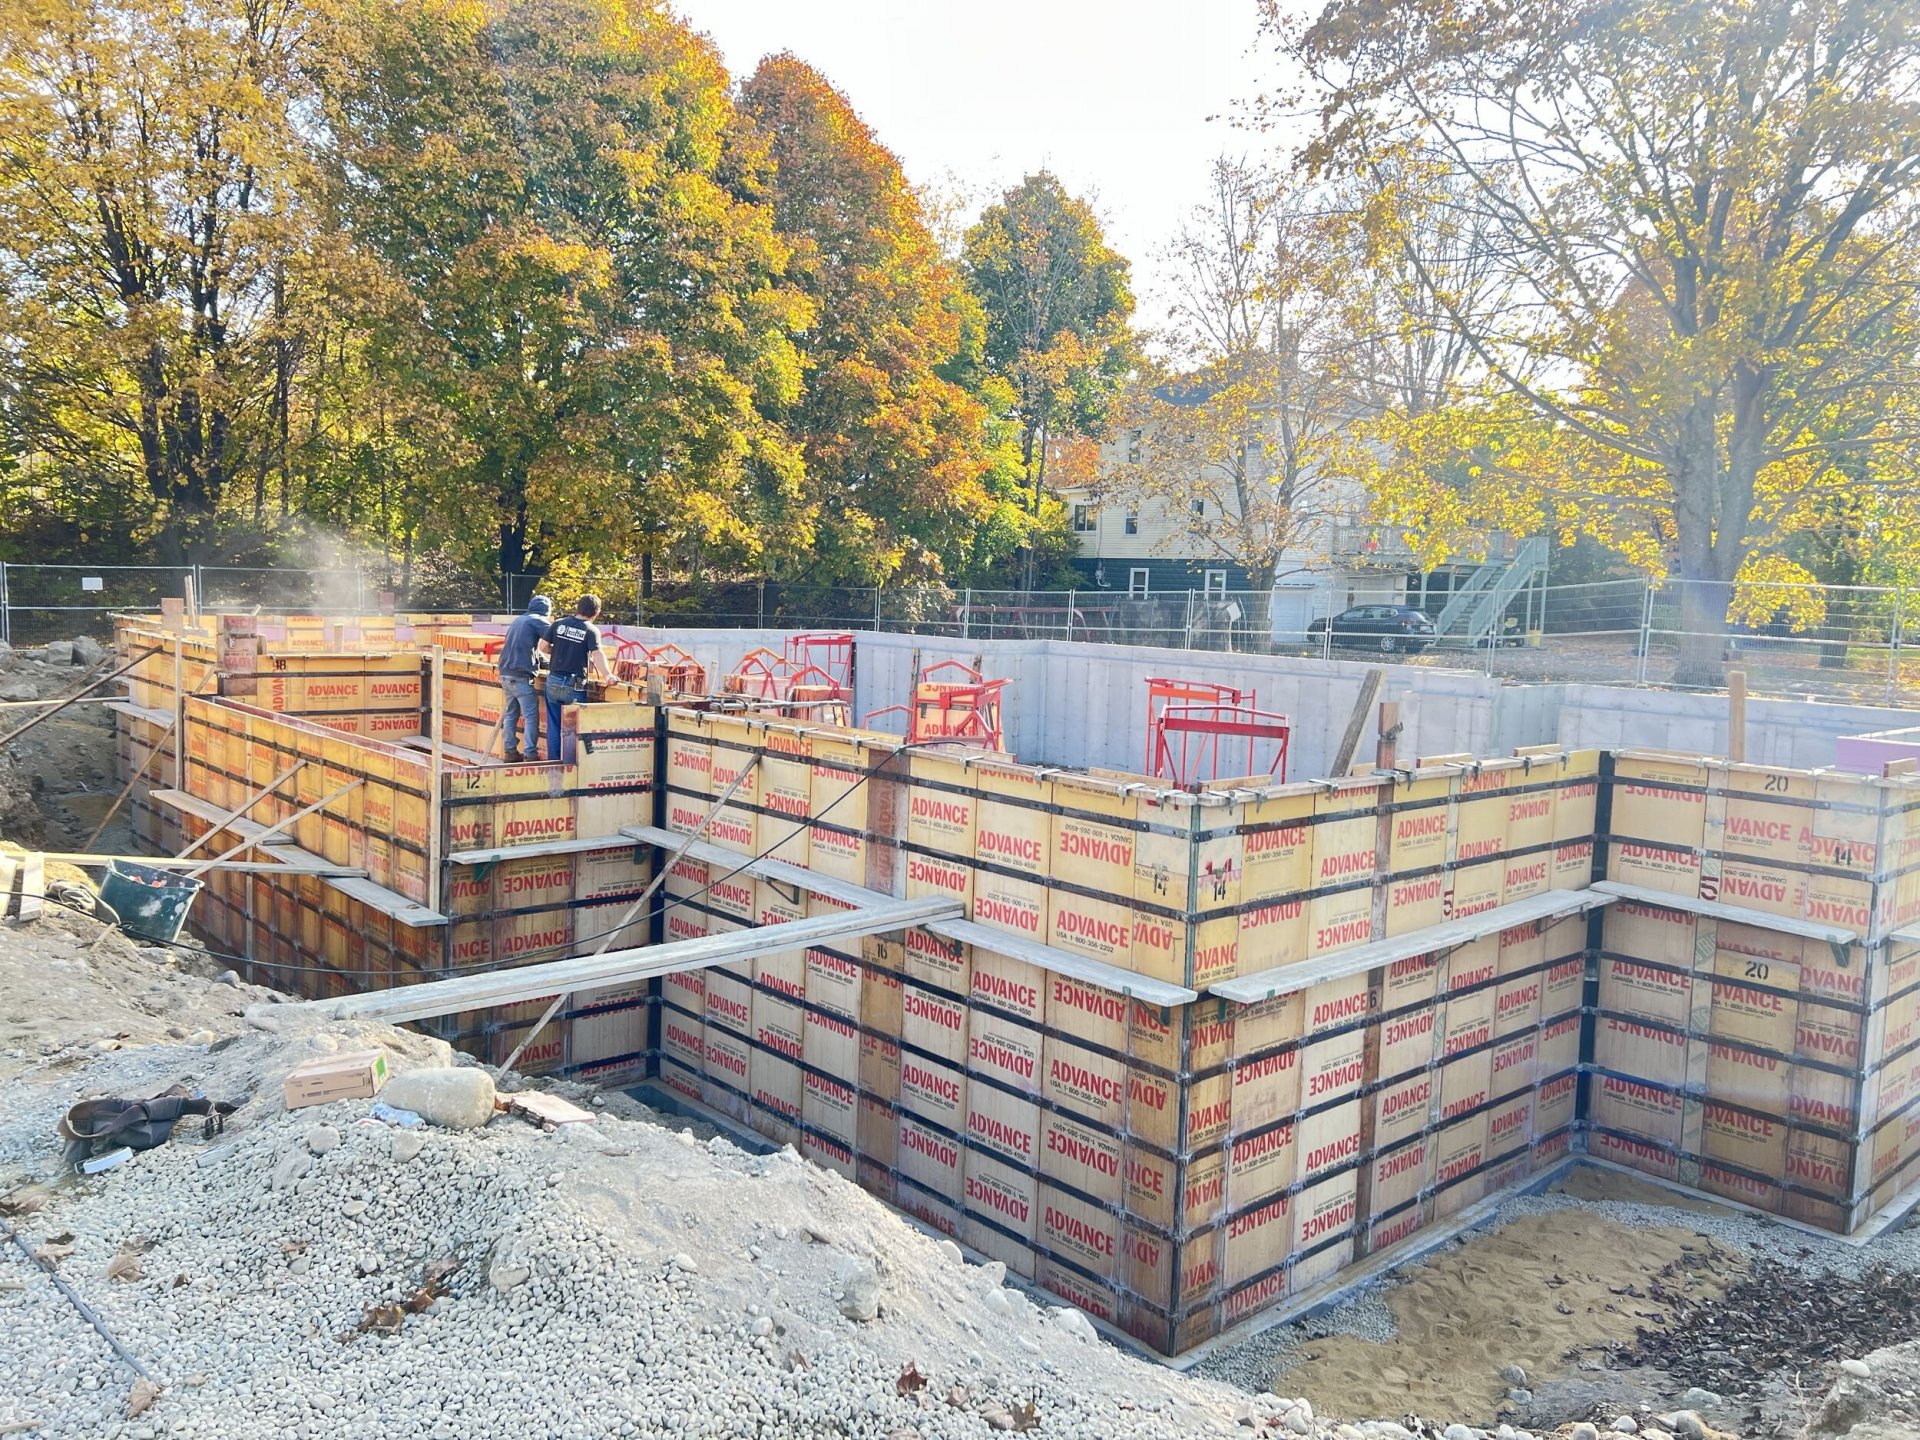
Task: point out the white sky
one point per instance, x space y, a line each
1113 95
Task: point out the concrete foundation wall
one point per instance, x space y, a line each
1078 704
1801 734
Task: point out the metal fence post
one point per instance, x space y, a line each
876 608
760 601
1646 631
1073 598
966 614
1894 639
1186 632
6 608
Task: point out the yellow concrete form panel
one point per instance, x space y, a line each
1345 854
1419 825
1012 824
1093 837
786 795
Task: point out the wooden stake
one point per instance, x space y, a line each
1737 716
179 712
436 847
1350 741
1389 734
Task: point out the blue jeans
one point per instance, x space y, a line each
520 716
560 694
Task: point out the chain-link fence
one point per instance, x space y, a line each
1837 642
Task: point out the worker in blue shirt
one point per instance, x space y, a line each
520 714
572 648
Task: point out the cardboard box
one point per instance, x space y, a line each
355 1076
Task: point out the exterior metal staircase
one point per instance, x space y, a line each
1473 611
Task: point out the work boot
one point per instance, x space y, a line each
514 757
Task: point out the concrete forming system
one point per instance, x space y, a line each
1178 1056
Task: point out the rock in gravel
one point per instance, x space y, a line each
1697 1398
1513 1375
407 1144
1859 1369
951 1251
322 1138
58 652
1520 1395
1626 1425
1584 1431
1456 1432
88 651
685 1262
459 1098
859 1286
291 1166
1687 1423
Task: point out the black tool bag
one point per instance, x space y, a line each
93 1127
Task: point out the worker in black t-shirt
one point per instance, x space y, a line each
572 648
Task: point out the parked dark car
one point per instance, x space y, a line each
1378 627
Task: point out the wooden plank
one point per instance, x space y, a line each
1737 716
1356 722
1286 979
1738 914
623 967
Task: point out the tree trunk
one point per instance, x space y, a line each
1712 502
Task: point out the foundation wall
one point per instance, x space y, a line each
1766 1066
1173 1168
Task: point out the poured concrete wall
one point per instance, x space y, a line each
1079 704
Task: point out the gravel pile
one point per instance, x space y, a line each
320 1272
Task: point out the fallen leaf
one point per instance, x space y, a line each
292 1247
180 1280
910 1381
437 1271
53 1252
383 1319
957 1397
1027 1416
126 1266
144 1393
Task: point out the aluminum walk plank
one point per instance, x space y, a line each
1737 914
1284 980
960 930
619 967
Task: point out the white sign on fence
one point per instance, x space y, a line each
92 582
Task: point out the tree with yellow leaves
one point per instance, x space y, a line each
1703 218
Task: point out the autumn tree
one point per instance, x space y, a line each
151 166
1703 216
1057 300
1230 423
898 455
583 279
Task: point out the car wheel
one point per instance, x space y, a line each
1388 645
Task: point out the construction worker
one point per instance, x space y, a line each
572 648
520 714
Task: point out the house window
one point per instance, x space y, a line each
1133 522
1133 447
1216 584
1199 509
1137 580
1085 519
